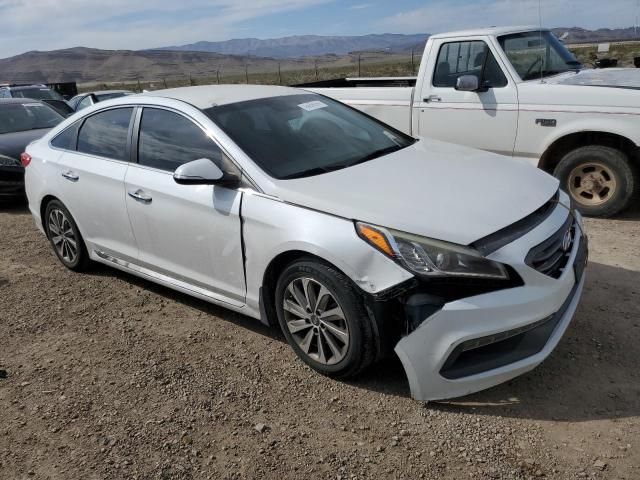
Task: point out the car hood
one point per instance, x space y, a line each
607 77
13 144
431 188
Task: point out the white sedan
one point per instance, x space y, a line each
292 208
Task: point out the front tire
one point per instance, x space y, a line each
600 180
65 238
324 320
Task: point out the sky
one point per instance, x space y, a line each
137 24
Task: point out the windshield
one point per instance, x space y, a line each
296 136
538 54
37 93
18 117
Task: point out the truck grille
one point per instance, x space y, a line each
552 255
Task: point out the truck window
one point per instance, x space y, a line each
467 58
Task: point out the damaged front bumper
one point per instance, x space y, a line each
478 342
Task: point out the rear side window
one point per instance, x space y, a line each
105 134
168 140
66 140
467 58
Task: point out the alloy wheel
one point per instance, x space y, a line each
592 183
316 321
62 236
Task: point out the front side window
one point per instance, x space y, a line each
18 117
168 140
538 54
105 134
467 58
295 136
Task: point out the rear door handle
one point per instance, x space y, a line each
433 98
140 196
69 175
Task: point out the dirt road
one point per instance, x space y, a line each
109 376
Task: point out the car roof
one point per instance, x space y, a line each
490 31
26 87
206 96
5 101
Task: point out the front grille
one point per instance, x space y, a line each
552 255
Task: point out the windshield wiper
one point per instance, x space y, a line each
310 172
375 154
544 73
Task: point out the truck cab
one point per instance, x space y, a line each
518 91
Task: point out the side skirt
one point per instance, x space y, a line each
172 283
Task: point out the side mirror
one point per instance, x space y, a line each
204 172
468 83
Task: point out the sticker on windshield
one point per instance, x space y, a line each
315 105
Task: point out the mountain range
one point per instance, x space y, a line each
306 45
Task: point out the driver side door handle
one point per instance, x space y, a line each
71 176
140 196
432 98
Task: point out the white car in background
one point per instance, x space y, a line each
300 211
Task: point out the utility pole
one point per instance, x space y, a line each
218 76
315 64
279 75
359 55
413 65
139 86
246 72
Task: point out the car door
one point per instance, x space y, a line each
188 233
486 119
93 172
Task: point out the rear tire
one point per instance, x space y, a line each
65 237
328 326
600 180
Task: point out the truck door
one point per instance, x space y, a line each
486 119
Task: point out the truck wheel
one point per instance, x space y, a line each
600 180
324 320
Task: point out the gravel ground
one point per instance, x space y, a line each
107 376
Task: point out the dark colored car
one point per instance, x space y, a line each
38 92
21 122
87 99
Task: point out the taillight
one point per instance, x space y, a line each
25 159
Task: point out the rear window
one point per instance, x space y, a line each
18 117
105 134
37 93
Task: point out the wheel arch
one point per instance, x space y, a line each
270 277
566 143
43 207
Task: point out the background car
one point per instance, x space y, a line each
38 92
87 99
21 122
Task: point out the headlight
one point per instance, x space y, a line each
428 257
8 161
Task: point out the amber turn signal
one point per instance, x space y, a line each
374 237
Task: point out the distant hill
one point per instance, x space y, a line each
88 64
581 35
306 45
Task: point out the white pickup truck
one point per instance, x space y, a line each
519 92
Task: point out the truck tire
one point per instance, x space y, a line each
600 180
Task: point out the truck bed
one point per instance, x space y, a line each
391 104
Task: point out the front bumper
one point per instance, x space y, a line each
512 331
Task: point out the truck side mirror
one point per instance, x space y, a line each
467 83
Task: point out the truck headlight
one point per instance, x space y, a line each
428 257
